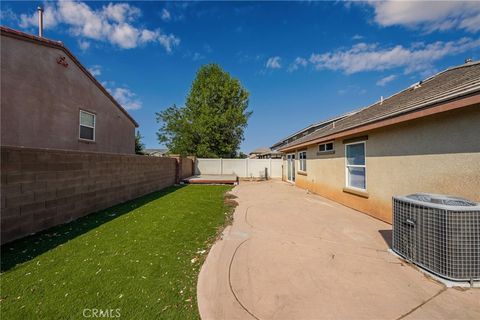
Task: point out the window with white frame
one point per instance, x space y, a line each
355 165
303 160
87 126
325 147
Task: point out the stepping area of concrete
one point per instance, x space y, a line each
294 255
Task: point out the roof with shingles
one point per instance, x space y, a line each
161 151
313 127
260 150
447 85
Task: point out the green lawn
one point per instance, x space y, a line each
142 257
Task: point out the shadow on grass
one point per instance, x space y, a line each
29 247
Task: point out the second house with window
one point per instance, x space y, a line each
425 138
50 100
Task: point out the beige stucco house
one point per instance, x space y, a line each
50 100
425 138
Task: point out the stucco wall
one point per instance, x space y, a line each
41 99
438 154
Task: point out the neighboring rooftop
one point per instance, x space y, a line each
453 83
155 151
308 130
273 152
261 150
5 31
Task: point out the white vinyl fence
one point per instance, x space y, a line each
243 168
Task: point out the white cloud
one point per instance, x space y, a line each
165 15
126 36
357 37
472 23
384 81
84 45
147 36
370 57
273 63
95 70
197 56
121 12
113 23
7 14
428 15
126 98
168 41
298 62
50 18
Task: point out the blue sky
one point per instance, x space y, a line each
301 61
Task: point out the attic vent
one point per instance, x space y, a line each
416 85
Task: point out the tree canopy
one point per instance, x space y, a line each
139 146
212 122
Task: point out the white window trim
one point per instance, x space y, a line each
356 166
325 143
300 161
84 125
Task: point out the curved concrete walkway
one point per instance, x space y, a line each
294 255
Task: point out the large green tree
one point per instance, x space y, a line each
212 122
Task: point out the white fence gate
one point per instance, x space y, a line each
243 168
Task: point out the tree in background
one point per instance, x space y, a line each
212 122
242 155
139 146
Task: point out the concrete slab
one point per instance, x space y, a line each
294 255
212 179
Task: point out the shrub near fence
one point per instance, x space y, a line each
41 188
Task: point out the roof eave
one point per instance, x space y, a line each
317 124
437 107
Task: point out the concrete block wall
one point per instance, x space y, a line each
185 167
41 188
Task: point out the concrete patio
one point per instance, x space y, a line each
294 255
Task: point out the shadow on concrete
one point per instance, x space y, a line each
29 247
387 237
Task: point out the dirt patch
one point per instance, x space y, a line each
229 200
